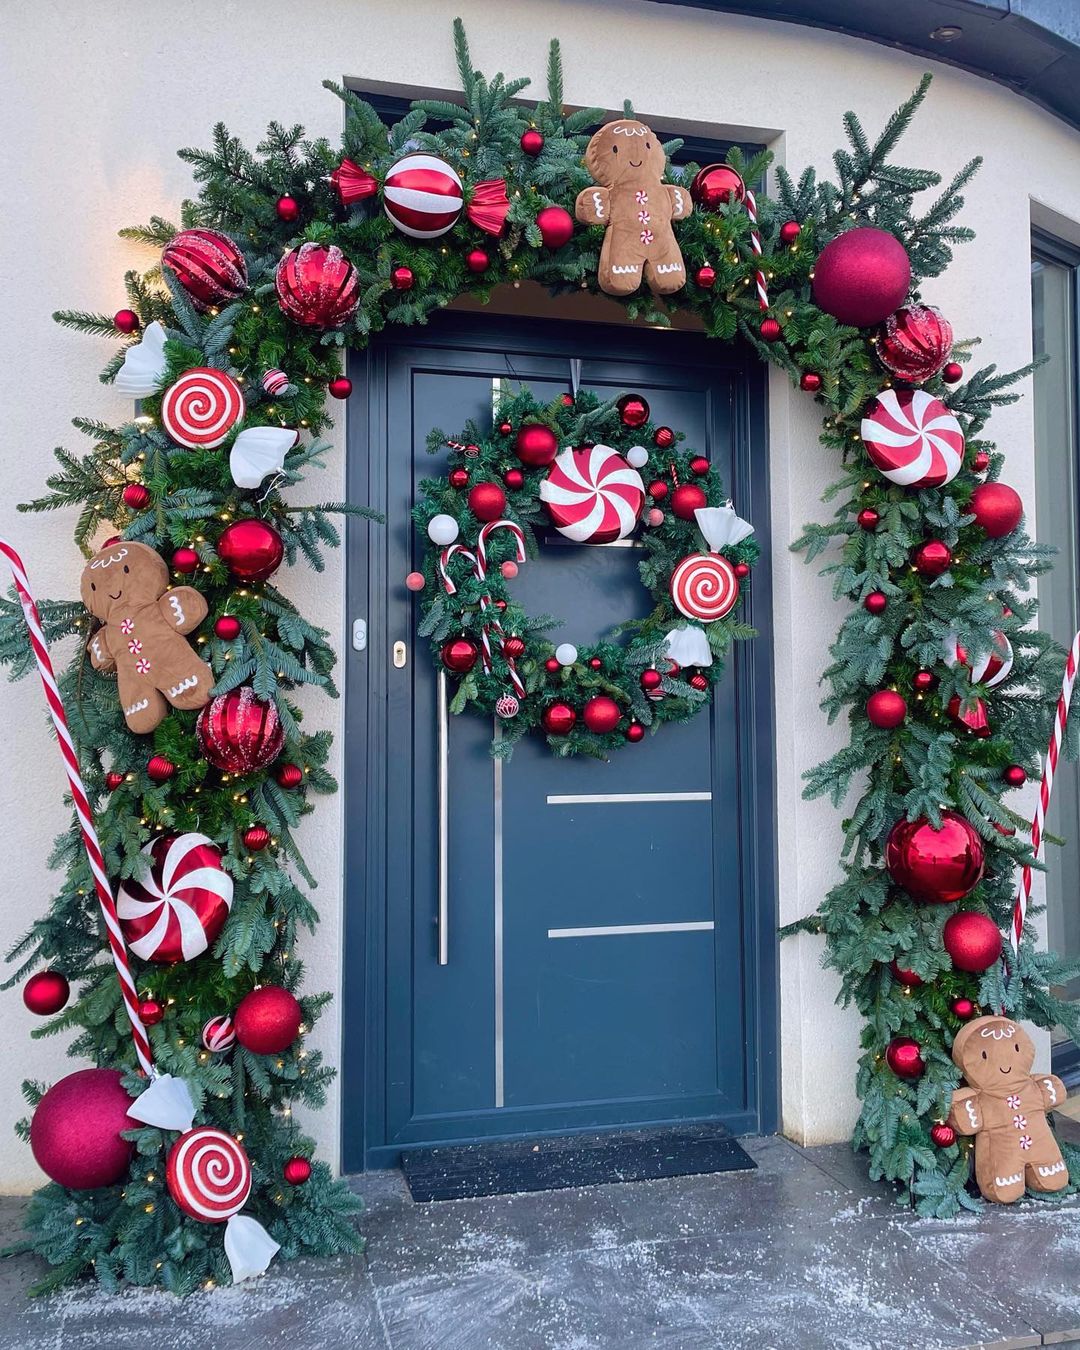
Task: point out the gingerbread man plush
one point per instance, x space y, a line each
636 207
126 586
1005 1109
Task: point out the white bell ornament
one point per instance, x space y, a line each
258 452
144 364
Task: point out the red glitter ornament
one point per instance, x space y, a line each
997 508
113 780
1015 776
886 708
288 209
151 1012
46 992
288 776
296 1171
160 769
908 978
531 141
943 1134
126 321
558 719
686 499
476 260
487 501
340 387
514 479
790 231
953 373
186 561
963 1008
208 265
633 410
238 732
770 330
705 277
810 381
716 185
876 602
317 286
136 496
914 343
415 581
255 838
459 655
635 732
251 549
868 519
663 438
937 866
861 277
556 226
402 278
268 1020
536 444
972 940
75 1132
904 1057
601 714
227 627
932 558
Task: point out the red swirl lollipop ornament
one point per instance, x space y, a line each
201 408
704 585
177 910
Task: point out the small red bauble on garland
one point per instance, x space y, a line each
663 438
402 278
770 330
458 478
658 490
275 382
268 1020
351 183
459 655
699 682
514 647
923 681
317 286
556 226
227 628
126 321
886 708
514 479
790 231
136 496
876 602
505 428
981 461
288 776
75 1132
218 1034
531 141
635 732
251 549
113 780
633 410
937 866
868 519
601 714
185 561
650 680
151 1012
963 1008
915 343
997 508
558 719
255 838
536 444
160 769
699 465
208 265
340 387
953 373
716 185
487 501
595 663
551 665
1014 776
943 1134
238 732
705 277
972 940
904 1057
296 1171
288 209
861 277
686 499
46 992
742 570
907 978
476 260
810 381
932 558
509 569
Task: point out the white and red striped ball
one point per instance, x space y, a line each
208 1174
274 381
202 407
913 438
178 909
422 196
704 586
593 496
507 706
219 1034
992 668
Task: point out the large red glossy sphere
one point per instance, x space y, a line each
239 733
459 655
251 549
75 1132
208 265
932 558
997 508
268 1020
861 277
904 1057
886 708
972 940
716 185
938 866
556 226
633 410
686 499
536 445
601 714
558 719
915 342
317 286
46 992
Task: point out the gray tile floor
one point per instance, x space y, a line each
804 1252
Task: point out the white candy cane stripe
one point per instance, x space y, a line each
82 806
1023 891
755 244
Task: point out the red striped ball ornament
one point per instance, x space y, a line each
317 286
218 1034
238 732
208 265
423 196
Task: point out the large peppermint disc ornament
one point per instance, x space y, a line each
208 1174
177 910
593 495
913 438
704 586
202 407
423 196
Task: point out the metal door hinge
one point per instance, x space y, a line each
359 635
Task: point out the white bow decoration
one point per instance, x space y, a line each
144 364
166 1104
249 1247
259 452
721 527
688 647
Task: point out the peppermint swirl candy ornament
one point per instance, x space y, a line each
177 910
704 586
208 1174
593 495
201 408
219 1034
913 439
423 196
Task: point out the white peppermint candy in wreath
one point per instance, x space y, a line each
913 438
593 495
178 909
423 196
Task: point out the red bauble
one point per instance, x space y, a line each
536 445
861 277
487 501
402 278
268 1020
126 321
340 387
46 992
251 549
633 410
531 141
556 226
953 373
868 519
997 508
686 499
317 286
903 1056
810 381
136 496
886 708
458 478
459 655
790 231
75 1132
963 1008
658 490
981 461
287 208
151 1012
558 719
705 277
769 330
227 628
972 940
635 732
288 776
742 570
255 838
932 558
970 713
113 780
505 428
296 1171
876 602
716 185
186 561
938 866
699 682
1015 776
239 733
699 465
514 647
595 663
601 714
208 265
664 438
160 769
650 680
908 978
943 1134
514 479
476 260
915 343
924 680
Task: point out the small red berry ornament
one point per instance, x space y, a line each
1015 776
487 501
136 496
126 321
686 499
340 387
932 558
151 1011
650 680
46 992
531 141
558 719
536 445
790 231
160 769
415 581
717 185
952 373
886 708
963 1008
907 978
633 410
514 479
943 1134
810 381
402 278
742 570
476 260
556 226
601 714
459 655
663 438
227 627
288 209
981 462
268 1020
997 508
255 838
973 941
705 277
876 602
289 776
551 665
296 1171
699 465
113 780
770 330
904 1057
868 519
658 490
185 560
505 428
635 732
458 478
595 663
923 681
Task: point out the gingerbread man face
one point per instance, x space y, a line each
123 578
994 1053
625 150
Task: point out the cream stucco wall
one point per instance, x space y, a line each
96 101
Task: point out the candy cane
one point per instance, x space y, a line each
755 244
444 559
1023 891
82 805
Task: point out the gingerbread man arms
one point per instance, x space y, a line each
964 1115
593 206
183 608
1053 1091
100 656
681 205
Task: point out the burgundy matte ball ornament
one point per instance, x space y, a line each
46 992
972 940
151 1012
601 714
288 776
716 185
317 286
558 719
536 444
296 1171
251 549
810 381
415 581
876 602
937 866
75 1132
135 496
237 732
943 1134
904 1057
160 769
705 277
340 387
476 260
402 278
487 501
770 330
227 628
932 558
861 277
663 438
459 655
907 978
686 499
868 519
886 708
914 343
126 321
633 410
963 1008
790 231
185 561
952 373
532 142
514 479
288 209
635 732
997 508
208 265
255 838
1014 776
268 1020
556 226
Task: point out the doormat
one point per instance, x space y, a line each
462 1171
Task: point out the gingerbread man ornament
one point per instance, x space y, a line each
636 207
126 586
1005 1108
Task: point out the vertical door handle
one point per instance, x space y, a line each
443 755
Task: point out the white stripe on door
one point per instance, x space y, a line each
618 929
604 797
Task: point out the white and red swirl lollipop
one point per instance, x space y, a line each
208 1174
913 438
202 407
177 910
704 586
593 495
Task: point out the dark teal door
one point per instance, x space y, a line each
609 927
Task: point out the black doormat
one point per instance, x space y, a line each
460 1171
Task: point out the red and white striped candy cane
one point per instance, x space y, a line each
755 244
1023 891
444 558
82 806
485 601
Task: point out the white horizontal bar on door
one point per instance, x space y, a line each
602 797
619 929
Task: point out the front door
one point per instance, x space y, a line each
608 926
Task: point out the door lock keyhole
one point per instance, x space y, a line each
400 654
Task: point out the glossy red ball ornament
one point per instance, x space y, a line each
742 570
113 780
505 428
514 647
952 373
126 321
514 479
914 343
810 381
633 410
790 231
532 142
1014 776
556 226
459 655
699 465
267 1020
770 330
136 496
943 1134
997 508
227 628
46 992
552 666
650 680
251 549
923 681
208 265
963 1008
341 387
716 185
904 1057
238 732
601 714
876 602
160 769
487 501
288 209
686 499
907 978
861 277
972 940
296 1171
705 277
476 260
663 438
75 1132
980 462
317 286
886 708
185 561
458 478
868 519
937 866
699 682
288 776
558 719
536 444
255 838
402 278
595 663
932 558
635 732
658 490
151 1012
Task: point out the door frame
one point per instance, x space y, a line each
366 689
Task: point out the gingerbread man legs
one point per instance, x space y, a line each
999 1165
143 705
1048 1172
664 270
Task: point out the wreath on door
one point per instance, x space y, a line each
598 473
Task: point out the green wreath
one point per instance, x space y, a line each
483 517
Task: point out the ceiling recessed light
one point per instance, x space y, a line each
947 33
